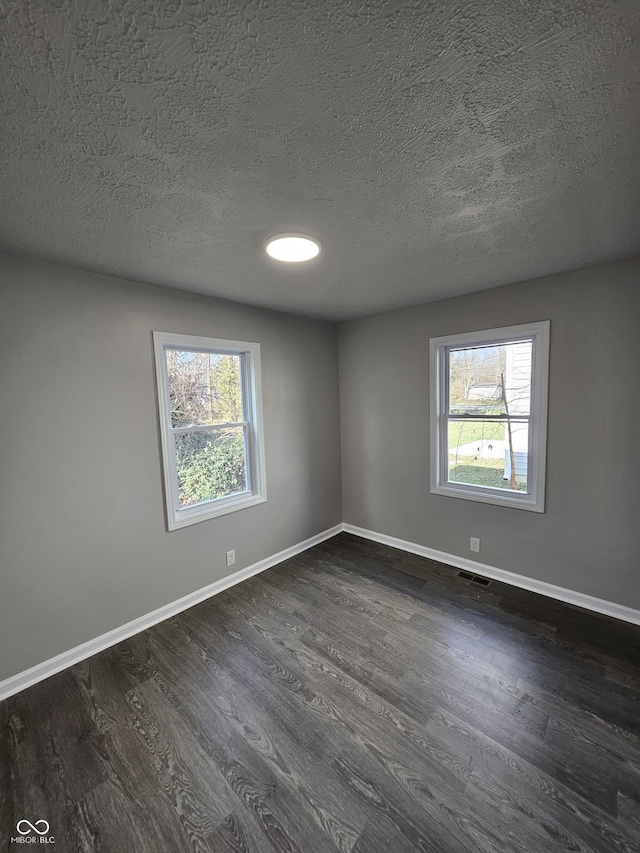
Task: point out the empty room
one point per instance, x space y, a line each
319 479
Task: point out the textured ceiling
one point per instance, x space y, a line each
435 148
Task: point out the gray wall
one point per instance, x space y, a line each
586 539
83 546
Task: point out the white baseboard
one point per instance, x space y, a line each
580 599
43 670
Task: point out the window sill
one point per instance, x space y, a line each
515 500
212 509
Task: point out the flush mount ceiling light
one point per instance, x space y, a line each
292 248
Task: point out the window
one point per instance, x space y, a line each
210 411
489 415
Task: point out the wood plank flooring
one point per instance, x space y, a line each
356 699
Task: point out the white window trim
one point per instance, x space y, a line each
176 516
534 498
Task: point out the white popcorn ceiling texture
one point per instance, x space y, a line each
435 148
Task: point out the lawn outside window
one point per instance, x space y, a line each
489 415
210 411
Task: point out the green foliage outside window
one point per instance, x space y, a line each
210 465
205 391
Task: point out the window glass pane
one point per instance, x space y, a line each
480 453
204 388
211 464
491 380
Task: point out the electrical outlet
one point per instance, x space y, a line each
231 557
474 545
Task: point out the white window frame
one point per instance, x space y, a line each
533 499
256 492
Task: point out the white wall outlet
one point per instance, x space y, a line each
474 545
231 557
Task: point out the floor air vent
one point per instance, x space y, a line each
469 576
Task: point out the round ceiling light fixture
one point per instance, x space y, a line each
292 248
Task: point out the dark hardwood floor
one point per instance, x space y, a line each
355 698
